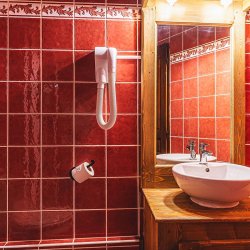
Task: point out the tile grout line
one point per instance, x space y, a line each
41 125
7 121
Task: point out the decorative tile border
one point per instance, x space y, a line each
3 9
200 50
69 10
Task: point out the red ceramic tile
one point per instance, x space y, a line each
247 158
88 131
122 193
247 38
24 65
3 228
190 38
86 61
176 72
126 98
57 161
3 128
191 107
176 127
3 97
24 97
24 195
190 68
177 109
176 43
206 34
126 71
57 65
206 64
85 97
122 1
223 83
223 128
3 160
24 33
24 129
3 65
207 85
223 107
247 58
207 106
175 29
176 90
57 225
223 60
3 32
127 38
57 97
24 226
90 224
190 88
93 191
24 162
124 248
57 33
122 222
86 154
247 75
57 194
57 129
222 32
207 127
191 127
248 129
223 151
89 34
248 102
3 193
163 32
124 131
126 167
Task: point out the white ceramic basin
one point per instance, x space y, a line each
217 185
179 158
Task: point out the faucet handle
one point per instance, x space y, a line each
191 145
203 146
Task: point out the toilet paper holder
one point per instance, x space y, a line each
82 172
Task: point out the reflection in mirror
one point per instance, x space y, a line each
193 93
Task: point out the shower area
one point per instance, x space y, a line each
48 94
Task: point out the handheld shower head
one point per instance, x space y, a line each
101 65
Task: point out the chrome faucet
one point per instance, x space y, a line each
191 148
204 153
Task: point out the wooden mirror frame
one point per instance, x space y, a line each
153 14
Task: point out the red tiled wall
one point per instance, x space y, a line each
200 89
248 90
48 124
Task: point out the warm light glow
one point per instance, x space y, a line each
172 2
226 3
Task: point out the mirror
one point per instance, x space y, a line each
193 92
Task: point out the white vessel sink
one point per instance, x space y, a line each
217 185
179 158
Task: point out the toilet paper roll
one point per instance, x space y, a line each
81 173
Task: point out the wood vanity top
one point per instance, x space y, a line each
172 205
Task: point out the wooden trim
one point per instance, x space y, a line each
238 108
246 5
148 95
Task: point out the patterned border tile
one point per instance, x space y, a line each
90 11
24 9
3 9
200 50
67 10
57 10
123 12
248 17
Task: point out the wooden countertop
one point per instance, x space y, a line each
172 205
